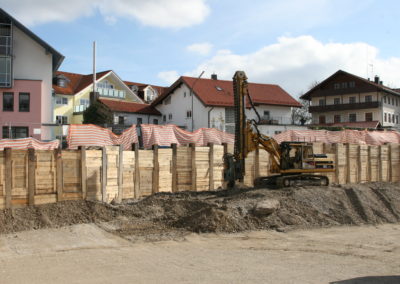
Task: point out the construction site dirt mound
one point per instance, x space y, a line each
172 215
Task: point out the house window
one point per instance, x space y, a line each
167 101
344 85
336 86
368 99
188 114
384 100
61 101
336 118
322 119
392 101
164 118
322 102
8 101
15 132
352 117
170 116
277 132
105 85
229 115
266 114
397 119
389 118
336 101
352 100
368 116
385 117
139 121
397 102
155 121
24 102
60 119
84 102
61 82
352 84
393 118
184 94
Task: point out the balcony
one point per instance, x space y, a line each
80 108
111 93
338 107
275 120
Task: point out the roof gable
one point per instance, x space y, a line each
58 58
326 87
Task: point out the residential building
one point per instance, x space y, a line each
72 93
347 100
27 64
193 103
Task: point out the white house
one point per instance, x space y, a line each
194 103
346 100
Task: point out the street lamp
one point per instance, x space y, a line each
192 93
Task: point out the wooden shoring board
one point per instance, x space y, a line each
165 170
395 160
128 177
146 172
218 166
93 174
249 169
71 162
202 168
45 173
184 169
384 157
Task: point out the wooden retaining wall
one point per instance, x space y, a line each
29 177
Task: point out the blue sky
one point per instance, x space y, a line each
291 43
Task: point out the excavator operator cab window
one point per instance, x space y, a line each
295 155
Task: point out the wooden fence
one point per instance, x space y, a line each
29 177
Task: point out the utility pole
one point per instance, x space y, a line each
94 66
192 94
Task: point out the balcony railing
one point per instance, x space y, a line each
342 120
113 93
337 107
80 108
274 120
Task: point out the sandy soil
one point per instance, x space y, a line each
87 254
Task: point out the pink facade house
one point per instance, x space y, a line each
27 64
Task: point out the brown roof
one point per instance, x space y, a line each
129 107
220 92
380 87
77 82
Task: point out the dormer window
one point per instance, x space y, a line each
61 82
218 88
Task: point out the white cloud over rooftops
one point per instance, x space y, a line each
156 13
203 48
168 76
295 63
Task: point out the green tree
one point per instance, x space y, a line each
97 113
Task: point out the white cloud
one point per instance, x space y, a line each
168 76
296 62
157 13
203 48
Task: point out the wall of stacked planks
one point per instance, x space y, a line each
29 177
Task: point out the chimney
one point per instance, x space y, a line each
214 76
376 79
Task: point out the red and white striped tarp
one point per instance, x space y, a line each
28 143
345 136
165 135
92 135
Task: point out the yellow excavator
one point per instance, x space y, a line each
291 163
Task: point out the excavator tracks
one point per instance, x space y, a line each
281 181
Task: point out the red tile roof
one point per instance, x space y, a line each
77 82
123 106
220 92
